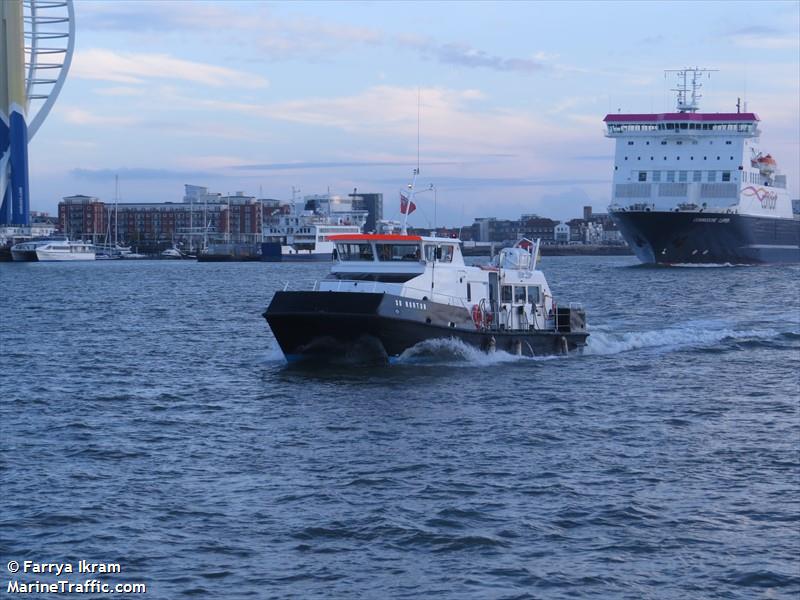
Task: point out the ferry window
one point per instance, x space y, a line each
505 293
519 294
394 252
642 175
355 251
430 252
469 292
679 143
697 176
447 254
684 126
728 142
671 176
726 176
533 294
656 176
712 176
718 158
670 126
664 143
682 176
630 143
647 143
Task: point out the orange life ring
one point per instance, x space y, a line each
477 317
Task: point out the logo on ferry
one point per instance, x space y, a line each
767 198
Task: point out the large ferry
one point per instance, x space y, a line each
692 187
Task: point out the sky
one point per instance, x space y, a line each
503 101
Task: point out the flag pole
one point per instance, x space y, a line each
409 200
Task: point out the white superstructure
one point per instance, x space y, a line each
690 161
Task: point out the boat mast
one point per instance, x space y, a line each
116 210
689 78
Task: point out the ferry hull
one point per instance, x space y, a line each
335 325
661 237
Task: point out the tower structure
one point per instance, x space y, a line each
37 39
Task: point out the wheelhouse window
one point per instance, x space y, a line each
519 294
447 253
533 294
505 293
353 252
397 252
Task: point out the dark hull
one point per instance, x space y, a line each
709 238
25 256
332 325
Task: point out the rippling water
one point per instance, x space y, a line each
149 419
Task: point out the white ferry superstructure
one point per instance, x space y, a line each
693 187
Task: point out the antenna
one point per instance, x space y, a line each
419 104
689 78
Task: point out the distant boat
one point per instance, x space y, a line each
52 248
172 253
63 250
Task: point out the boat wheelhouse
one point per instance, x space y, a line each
390 292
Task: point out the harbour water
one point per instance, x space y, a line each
148 419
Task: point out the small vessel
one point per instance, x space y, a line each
388 292
692 187
63 250
52 249
172 253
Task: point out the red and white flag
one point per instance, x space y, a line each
406 206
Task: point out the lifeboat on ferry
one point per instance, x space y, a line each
765 164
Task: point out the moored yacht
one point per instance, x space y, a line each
54 248
63 250
386 293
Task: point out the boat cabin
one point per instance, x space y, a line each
509 294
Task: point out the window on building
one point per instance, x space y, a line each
642 175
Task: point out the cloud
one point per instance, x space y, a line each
78 116
329 165
136 68
134 173
762 37
452 122
464 55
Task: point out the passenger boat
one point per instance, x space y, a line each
388 292
53 249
